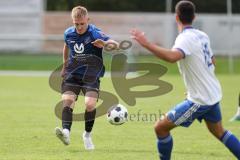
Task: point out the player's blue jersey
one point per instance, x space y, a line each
83 55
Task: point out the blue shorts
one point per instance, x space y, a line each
186 112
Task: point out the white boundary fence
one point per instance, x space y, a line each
26 27
20 21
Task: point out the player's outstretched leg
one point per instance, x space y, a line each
64 133
165 140
68 103
226 137
90 113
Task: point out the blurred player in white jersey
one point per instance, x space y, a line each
196 63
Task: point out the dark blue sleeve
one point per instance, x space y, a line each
98 34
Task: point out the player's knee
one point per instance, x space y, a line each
156 127
90 105
69 97
159 128
162 127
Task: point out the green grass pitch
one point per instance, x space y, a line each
27 123
15 61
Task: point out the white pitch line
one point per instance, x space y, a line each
25 73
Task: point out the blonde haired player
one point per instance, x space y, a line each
81 72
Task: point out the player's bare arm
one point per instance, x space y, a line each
165 54
101 43
214 61
65 58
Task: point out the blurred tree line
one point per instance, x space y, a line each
203 6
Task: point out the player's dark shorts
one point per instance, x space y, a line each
77 84
186 112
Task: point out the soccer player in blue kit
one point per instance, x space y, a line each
196 63
82 70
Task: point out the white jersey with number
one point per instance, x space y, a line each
197 68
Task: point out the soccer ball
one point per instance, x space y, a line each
117 114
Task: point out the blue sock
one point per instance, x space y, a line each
232 143
165 146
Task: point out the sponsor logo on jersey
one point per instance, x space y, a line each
79 48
